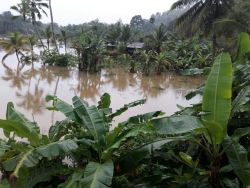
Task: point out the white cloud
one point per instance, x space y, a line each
79 11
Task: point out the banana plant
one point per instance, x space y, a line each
210 131
25 148
96 135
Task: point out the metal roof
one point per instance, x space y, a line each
137 45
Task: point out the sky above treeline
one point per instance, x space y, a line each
108 11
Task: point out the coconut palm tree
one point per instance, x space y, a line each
236 21
32 42
64 38
125 34
114 33
157 38
52 26
15 44
23 9
37 7
33 10
201 15
48 35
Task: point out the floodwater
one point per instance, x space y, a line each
27 90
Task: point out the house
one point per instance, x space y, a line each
134 46
110 46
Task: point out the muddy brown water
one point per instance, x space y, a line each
27 90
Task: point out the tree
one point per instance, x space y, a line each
15 44
137 21
52 26
125 34
157 38
32 9
236 21
64 39
152 19
22 8
201 15
114 33
48 35
32 42
37 7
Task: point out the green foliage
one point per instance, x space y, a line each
217 98
238 158
176 125
91 119
62 60
200 14
98 175
244 48
15 44
49 151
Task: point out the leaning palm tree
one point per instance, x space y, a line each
32 10
201 15
15 44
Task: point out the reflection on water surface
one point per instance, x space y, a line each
27 89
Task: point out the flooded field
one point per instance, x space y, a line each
27 90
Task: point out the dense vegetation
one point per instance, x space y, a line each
206 145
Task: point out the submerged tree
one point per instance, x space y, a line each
15 44
63 38
48 35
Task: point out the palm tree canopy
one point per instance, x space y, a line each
32 9
15 43
23 9
201 14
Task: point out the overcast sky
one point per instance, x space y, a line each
109 11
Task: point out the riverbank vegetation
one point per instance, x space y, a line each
205 145
157 48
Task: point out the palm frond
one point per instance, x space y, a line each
183 3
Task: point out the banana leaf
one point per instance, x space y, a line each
98 175
244 48
176 124
91 119
217 99
238 158
50 151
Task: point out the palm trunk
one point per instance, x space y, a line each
52 26
65 45
48 43
17 57
39 36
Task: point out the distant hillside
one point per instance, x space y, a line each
8 24
167 17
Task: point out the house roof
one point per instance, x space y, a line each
137 45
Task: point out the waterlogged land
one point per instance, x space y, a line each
27 90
